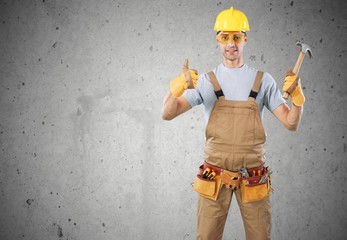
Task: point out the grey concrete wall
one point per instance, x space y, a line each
84 153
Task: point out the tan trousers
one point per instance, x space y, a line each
212 216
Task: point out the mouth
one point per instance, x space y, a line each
231 51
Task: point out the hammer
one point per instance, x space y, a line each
304 49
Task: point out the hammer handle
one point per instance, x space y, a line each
296 69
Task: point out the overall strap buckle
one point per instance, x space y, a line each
217 89
256 86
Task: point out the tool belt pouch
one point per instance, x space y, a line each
208 188
252 189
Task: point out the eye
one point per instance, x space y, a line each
225 37
236 37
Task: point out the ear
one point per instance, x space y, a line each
246 40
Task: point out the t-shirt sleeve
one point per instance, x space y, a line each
273 97
193 96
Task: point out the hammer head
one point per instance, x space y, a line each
305 48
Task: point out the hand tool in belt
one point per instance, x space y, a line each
264 178
228 178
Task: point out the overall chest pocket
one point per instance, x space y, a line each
235 125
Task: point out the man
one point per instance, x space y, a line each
234 95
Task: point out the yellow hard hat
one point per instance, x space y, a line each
231 20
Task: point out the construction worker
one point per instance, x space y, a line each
234 95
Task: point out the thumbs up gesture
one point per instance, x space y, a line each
187 79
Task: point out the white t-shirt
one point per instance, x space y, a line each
236 84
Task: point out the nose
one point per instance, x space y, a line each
231 43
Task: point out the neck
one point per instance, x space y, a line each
233 63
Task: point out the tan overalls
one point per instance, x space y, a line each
235 138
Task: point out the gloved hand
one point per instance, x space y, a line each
292 86
187 79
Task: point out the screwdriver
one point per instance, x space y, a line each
212 175
206 173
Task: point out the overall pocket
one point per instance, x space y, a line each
235 126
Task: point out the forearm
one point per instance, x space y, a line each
173 106
294 117
170 105
290 117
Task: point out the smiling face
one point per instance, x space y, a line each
231 45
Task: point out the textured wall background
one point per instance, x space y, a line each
84 152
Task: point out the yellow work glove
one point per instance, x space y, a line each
292 86
187 79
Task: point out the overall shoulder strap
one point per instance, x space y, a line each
256 85
217 89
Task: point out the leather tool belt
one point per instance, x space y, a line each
255 183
